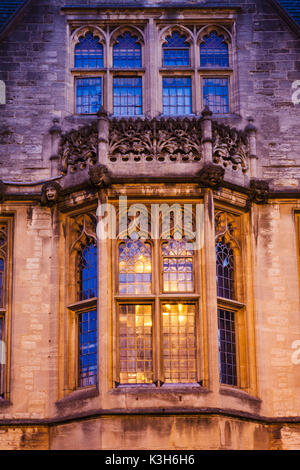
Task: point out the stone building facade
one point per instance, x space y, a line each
177 324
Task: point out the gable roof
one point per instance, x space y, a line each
9 12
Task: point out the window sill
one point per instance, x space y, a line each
240 394
87 303
230 303
76 395
180 68
165 388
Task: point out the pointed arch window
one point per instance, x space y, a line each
127 52
135 267
177 257
214 51
84 279
176 50
225 269
89 52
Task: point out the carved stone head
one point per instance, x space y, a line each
99 176
211 175
50 193
259 191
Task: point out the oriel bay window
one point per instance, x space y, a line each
157 313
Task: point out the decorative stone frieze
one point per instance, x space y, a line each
156 139
78 148
230 147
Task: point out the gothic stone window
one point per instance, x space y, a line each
229 277
5 292
83 293
157 312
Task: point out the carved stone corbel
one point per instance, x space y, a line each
259 192
99 176
50 193
211 176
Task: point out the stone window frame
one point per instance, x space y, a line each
107 38
6 253
156 299
194 30
75 306
239 304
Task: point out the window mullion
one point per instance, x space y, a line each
157 351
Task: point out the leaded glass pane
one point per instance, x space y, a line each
127 52
225 270
87 348
88 95
177 96
135 335
177 266
89 52
179 344
127 96
227 347
176 51
214 51
135 267
215 94
87 266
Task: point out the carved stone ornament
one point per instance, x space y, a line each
99 176
78 148
259 191
230 147
171 139
50 193
211 175
2 191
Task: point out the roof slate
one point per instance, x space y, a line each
8 9
292 7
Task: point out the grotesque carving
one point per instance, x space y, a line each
211 175
99 176
259 191
78 148
156 139
50 193
230 147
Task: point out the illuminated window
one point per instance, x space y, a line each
214 51
135 267
135 349
89 52
176 51
2 358
177 266
127 52
179 343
